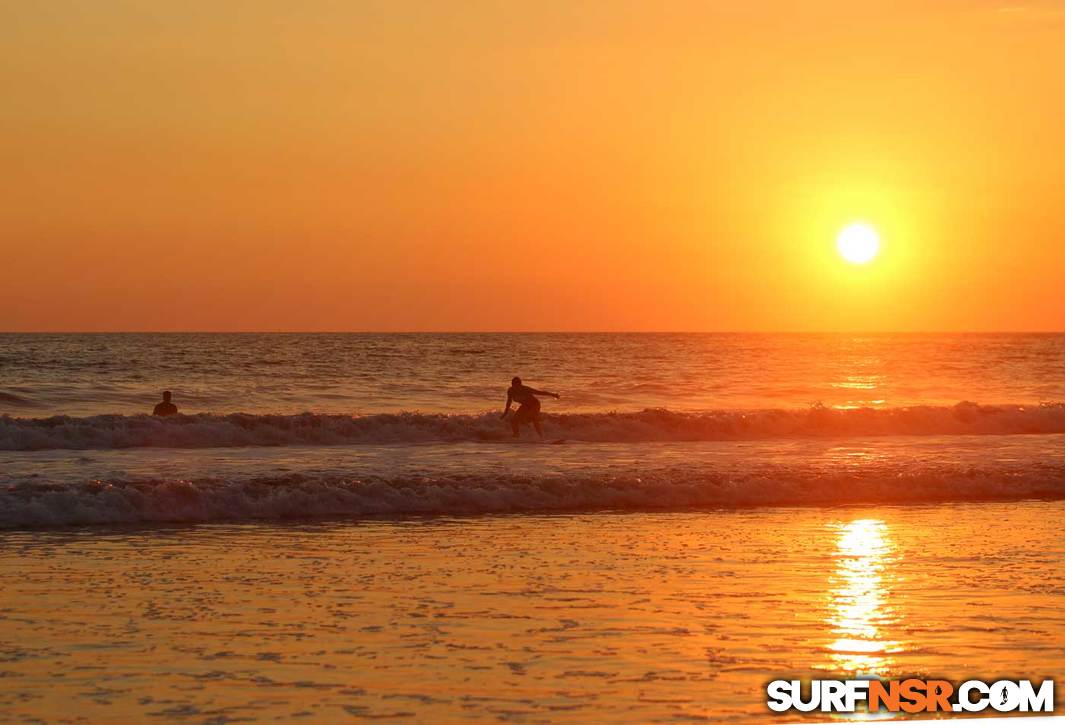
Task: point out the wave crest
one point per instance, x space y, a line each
653 425
675 488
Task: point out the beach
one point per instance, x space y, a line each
532 361
272 552
601 617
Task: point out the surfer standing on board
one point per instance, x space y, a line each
528 406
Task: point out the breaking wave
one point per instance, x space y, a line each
653 425
301 496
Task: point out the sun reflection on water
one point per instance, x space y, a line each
860 610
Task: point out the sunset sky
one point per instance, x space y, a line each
547 165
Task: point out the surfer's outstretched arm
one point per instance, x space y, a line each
507 409
545 392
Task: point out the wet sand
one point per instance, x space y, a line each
589 617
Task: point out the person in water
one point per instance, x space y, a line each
166 407
528 406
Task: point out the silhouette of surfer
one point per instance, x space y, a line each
166 407
528 406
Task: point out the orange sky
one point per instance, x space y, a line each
490 165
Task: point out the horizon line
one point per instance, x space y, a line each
530 332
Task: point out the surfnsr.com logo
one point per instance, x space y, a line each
910 696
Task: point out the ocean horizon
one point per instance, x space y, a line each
532 362
341 525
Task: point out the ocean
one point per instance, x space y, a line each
341 525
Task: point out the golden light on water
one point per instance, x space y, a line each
859 599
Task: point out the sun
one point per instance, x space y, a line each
858 243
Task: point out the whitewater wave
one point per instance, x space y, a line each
654 425
300 496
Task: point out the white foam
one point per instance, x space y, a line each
673 487
238 429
